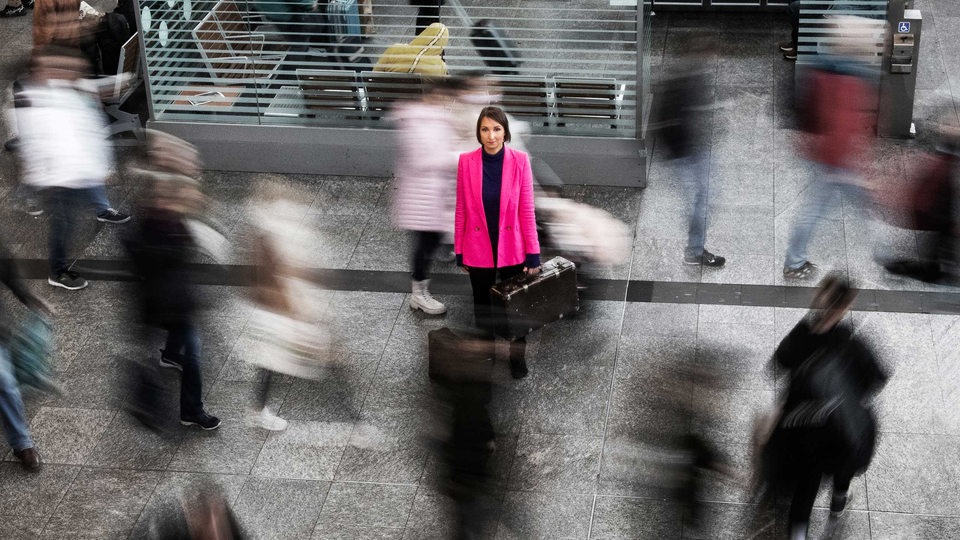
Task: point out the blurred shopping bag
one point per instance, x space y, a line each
31 352
585 232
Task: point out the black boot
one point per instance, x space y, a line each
518 362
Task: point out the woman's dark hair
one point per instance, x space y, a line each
497 115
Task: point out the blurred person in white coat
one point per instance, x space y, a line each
426 181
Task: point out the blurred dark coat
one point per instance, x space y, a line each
684 103
827 422
161 252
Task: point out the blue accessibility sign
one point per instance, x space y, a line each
903 27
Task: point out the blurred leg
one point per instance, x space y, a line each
11 406
819 194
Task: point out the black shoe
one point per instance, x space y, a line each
171 363
68 280
205 421
706 259
29 458
12 145
28 4
804 271
792 56
112 216
788 46
10 11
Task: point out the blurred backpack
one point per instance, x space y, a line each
933 193
31 353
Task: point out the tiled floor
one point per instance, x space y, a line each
358 460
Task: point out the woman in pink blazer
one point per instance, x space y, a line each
495 232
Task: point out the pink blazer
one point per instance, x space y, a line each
518 227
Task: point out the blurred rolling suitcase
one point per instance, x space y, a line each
458 357
496 49
344 17
533 301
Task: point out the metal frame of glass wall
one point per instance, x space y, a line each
271 86
707 5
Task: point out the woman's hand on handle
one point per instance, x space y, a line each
531 271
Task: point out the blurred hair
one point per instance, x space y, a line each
497 115
834 292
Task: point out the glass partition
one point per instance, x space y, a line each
820 28
568 68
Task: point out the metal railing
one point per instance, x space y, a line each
279 62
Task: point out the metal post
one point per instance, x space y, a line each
898 79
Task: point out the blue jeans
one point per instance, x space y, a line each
829 182
183 344
695 176
97 194
11 406
61 205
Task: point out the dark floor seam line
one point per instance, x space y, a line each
640 291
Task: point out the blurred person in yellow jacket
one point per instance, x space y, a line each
423 55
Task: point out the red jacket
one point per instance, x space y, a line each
843 114
518 227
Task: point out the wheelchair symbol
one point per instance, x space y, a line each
903 27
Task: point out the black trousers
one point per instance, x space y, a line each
793 13
490 318
425 243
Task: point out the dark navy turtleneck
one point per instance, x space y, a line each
492 182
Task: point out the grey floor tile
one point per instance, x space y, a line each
232 448
90 526
21 527
616 517
358 507
102 504
738 353
579 341
68 436
732 521
386 446
570 399
132 446
434 516
336 396
913 474
305 450
889 526
275 508
37 494
544 515
556 463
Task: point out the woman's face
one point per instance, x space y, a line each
491 133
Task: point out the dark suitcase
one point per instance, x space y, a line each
458 356
344 17
497 51
533 301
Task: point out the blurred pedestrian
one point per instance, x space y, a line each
836 117
64 150
291 336
495 230
428 12
161 251
686 104
200 513
12 414
426 188
932 205
826 426
424 54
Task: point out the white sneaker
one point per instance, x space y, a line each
269 421
422 300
